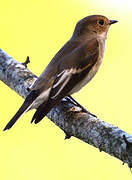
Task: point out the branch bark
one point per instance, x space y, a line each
69 115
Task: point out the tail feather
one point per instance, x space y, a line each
44 109
19 113
25 107
39 114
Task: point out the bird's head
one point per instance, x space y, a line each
95 24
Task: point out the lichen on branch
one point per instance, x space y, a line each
69 115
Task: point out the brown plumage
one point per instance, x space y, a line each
71 68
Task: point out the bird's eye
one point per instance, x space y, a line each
101 22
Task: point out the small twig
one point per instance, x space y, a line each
67 136
69 115
26 62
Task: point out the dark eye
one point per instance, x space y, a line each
101 22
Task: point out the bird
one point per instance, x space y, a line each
73 66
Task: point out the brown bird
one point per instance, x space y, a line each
71 68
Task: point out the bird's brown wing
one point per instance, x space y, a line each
47 77
72 70
41 88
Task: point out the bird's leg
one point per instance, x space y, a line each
79 105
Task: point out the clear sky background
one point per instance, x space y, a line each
39 28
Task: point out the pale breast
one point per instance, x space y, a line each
93 70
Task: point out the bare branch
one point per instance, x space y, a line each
71 117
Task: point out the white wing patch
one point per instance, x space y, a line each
64 77
39 100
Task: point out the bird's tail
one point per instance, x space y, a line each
19 113
27 105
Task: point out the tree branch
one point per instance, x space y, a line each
69 115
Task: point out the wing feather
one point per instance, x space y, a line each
72 69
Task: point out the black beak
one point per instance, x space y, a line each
113 22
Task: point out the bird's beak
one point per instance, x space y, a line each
113 22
